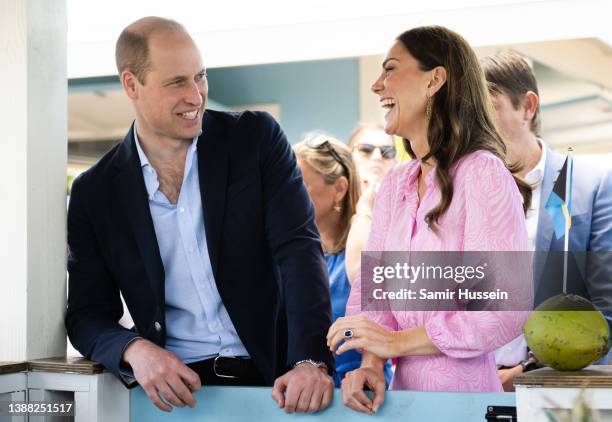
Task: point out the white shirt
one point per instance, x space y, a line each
534 177
516 351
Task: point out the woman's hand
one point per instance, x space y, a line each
365 204
353 384
365 335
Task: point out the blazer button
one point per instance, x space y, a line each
157 326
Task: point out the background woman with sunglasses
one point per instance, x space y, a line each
374 154
373 151
457 194
334 187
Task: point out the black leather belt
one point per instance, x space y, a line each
225 370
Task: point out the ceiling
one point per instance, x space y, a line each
575 83
245 32
98 115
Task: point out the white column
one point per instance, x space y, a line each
370 110
33 154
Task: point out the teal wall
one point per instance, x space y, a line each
318 95
111 83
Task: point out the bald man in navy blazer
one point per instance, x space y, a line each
200 219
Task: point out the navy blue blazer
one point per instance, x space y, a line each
262 239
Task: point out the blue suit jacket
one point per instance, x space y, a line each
264 248
589 275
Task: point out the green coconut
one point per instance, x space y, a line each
567 333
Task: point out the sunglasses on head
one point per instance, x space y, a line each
386 151
324 144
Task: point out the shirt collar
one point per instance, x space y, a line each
150 176
144 161
535 175
413 172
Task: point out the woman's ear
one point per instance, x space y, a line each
438 79
341 186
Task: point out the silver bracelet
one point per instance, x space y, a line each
314 363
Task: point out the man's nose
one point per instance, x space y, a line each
194 95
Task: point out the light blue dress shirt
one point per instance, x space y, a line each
197 323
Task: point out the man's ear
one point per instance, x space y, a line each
530 105
130 84
438 79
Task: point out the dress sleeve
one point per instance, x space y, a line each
381 217
494 222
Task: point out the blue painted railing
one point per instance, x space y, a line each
255 404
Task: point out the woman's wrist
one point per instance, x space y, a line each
402 342
413 341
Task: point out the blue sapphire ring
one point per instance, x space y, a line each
348 334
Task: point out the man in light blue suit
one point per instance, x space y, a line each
514 92
590 238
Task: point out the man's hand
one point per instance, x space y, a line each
162 375
353 384
506 377
303 389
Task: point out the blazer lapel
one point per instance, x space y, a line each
213 157
129 183
554 162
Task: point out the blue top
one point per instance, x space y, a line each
340 289
197 323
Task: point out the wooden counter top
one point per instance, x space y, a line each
594 376
12 367
74 365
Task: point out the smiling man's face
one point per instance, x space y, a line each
172 99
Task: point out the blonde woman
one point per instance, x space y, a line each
333 184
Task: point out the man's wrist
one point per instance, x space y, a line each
372 361
315 363
529 364
129 350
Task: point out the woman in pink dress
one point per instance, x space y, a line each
457 194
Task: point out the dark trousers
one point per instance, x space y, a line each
228 371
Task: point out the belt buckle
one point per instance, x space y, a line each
218 374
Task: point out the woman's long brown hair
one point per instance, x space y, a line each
461 119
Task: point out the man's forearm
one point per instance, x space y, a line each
370 360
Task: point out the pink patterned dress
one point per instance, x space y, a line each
485 214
